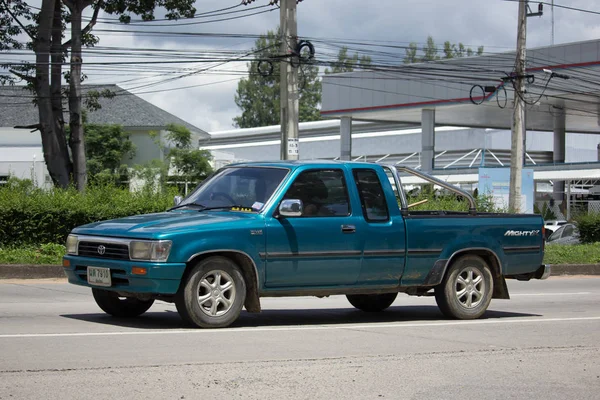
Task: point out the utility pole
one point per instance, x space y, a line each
518 124
552 12
290 149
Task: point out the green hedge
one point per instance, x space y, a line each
30 216
589 228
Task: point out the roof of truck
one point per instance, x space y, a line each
298 163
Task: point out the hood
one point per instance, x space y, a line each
163 225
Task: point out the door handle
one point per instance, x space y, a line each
348 228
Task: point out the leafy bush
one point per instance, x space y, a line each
31 216
450 203
589 227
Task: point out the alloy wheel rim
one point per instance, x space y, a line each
216 293
470 287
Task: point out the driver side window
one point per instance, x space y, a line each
323 193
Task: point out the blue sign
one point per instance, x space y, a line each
496 183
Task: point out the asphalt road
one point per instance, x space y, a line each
544 343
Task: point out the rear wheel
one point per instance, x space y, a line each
466 290
213 294
372 302
111 303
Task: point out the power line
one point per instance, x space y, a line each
178 23
561 6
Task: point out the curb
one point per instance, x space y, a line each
20 271
575 269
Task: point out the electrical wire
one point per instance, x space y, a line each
560 6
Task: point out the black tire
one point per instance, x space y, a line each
467 288
372 302
219 306
112 304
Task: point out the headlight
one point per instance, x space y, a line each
72 242
157 251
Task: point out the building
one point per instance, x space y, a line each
458 149
21 149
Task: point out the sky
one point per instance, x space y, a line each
206 98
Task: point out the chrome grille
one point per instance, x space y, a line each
113 251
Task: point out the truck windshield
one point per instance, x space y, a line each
245 188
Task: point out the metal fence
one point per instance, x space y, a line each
558 210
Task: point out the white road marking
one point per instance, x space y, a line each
300 328
552 294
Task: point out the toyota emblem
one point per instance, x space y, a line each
101 249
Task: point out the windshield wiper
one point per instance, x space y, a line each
188 205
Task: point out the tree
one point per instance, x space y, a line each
106 146
190 163
453 51
411 54
345 63
183 162
430 51
46 30
258 96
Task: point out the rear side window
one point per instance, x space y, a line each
557 234
372 198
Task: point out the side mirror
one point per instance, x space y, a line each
177 200
290 208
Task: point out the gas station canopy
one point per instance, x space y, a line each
476 91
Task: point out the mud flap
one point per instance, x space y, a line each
500 288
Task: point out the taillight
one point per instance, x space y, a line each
543 237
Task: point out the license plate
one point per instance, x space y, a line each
98 276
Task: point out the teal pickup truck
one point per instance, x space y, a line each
305 228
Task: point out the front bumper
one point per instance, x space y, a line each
543 272
161 278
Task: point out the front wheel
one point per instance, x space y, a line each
213 294
466 290
372 302
112 304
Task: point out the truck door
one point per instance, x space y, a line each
319 248
381 228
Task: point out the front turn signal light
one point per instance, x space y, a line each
139 271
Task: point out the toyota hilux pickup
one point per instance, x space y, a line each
304 228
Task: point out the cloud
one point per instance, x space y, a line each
488 23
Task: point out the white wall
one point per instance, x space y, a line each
19 137
146 147
24 163
21 155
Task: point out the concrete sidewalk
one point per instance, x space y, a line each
18 271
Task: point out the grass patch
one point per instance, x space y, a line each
45 254
575 254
